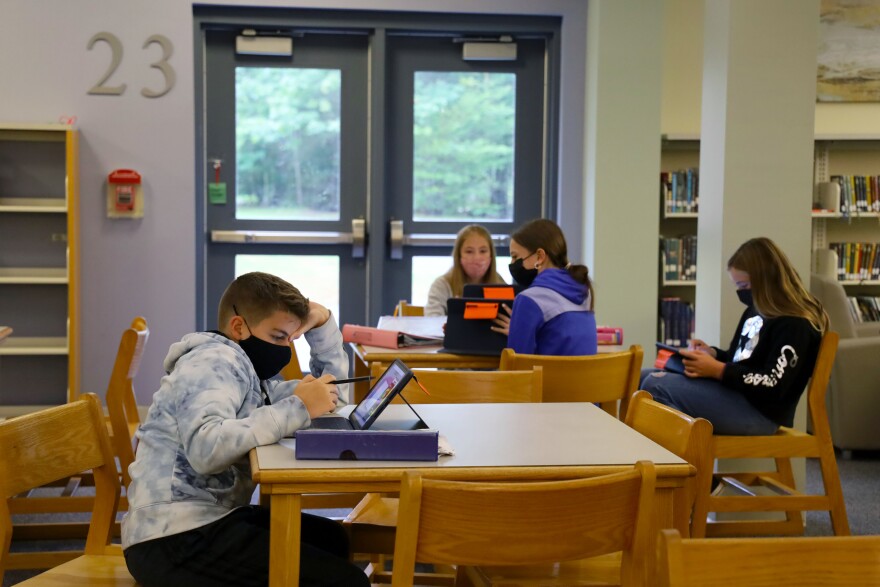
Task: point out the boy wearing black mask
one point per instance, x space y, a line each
190 521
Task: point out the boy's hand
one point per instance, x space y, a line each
502 320
318 315
701 364
318 395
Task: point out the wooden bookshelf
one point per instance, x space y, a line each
39 293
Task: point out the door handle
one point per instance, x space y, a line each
358 238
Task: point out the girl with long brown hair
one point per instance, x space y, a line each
753 387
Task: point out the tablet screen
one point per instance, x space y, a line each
392 381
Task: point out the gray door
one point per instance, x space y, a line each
348 163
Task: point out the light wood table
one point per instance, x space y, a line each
492 442
425 356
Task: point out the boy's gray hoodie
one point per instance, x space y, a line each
192 457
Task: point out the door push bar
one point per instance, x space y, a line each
357 238
398 239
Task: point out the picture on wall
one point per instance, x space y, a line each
849 51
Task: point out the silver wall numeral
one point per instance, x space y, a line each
116 59
163 65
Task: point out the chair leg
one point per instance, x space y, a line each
833 491
794 518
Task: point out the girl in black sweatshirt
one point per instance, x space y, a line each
753 387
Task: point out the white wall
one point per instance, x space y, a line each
683 71
147 266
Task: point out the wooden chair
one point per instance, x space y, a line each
292 370
58 443
684 436
403 308
122 422
687 437
372 523
476 523
827 561
606 378
121 400
786 444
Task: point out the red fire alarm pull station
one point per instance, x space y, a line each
124 194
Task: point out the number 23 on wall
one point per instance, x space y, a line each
116 58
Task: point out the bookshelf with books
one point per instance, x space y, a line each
846 212
679 207
38 266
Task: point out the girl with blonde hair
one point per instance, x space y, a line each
473 261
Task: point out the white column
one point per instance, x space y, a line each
621 215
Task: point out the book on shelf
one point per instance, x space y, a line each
679 258
858 193
676 321
857 261
680 190
864 308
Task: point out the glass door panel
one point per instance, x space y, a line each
466 145
287 143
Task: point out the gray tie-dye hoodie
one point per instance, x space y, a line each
192 465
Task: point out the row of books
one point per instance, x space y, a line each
676 322
857 261
680 190
864 308
858 193
678 257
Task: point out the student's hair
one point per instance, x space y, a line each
777 289
546 234
456 276
257 295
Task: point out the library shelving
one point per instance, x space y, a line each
846 212
39 296
679 208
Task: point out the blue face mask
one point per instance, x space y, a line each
745 296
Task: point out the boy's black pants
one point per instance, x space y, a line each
234 551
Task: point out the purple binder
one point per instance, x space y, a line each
367 445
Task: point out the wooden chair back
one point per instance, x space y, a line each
605 378
686 437
122 406
786 444
471 387
292 370
404 308
827 561
477 523
53 444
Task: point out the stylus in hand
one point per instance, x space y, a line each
352 380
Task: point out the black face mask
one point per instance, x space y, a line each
520 274
268 359
745 296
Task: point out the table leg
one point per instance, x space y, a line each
284 540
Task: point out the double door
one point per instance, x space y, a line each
345 158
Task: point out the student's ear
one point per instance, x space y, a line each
540 256
236 329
